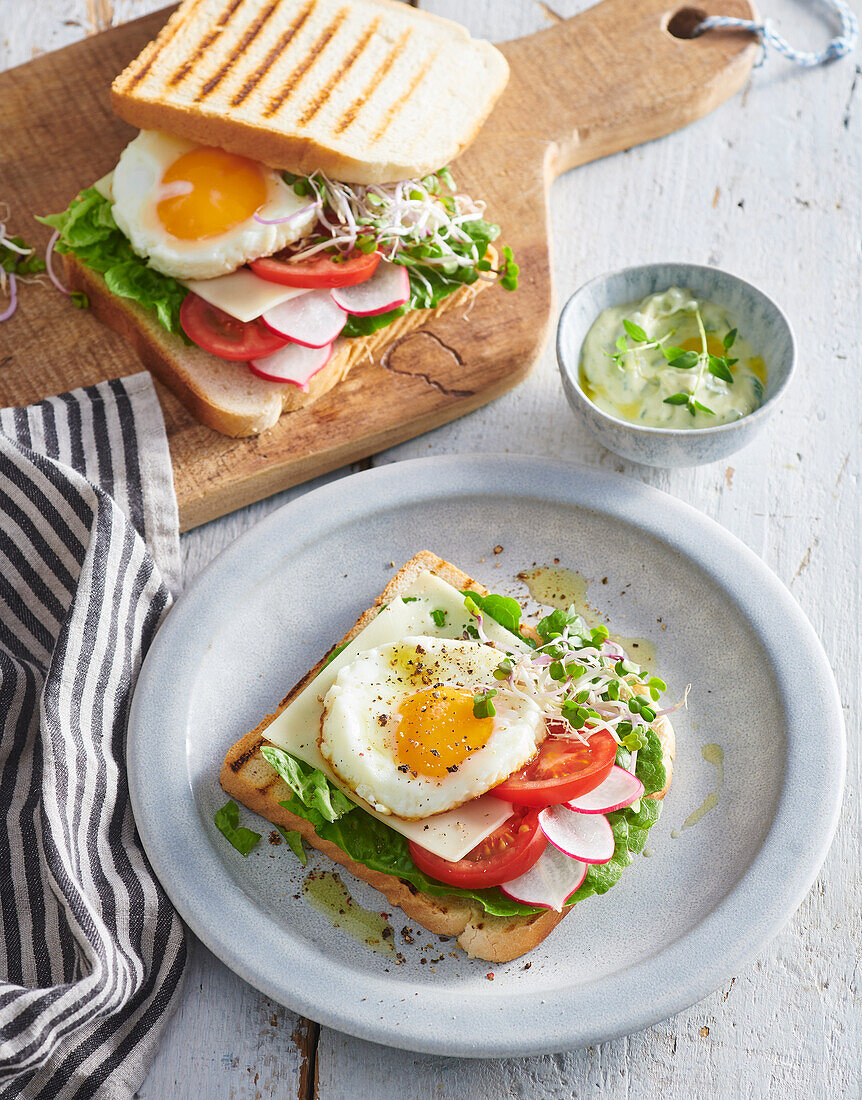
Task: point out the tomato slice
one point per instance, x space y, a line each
322 270
217 332
564 768
508 852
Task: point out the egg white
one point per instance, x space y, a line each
137 190
359 744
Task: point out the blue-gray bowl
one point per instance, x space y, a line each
765 327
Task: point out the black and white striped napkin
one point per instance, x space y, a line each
91 951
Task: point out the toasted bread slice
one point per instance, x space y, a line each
248 777
367 91
227 396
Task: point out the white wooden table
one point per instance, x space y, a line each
768 187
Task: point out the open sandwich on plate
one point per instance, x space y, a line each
483 775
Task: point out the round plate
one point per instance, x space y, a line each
675 926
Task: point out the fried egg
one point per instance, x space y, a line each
398 726
190 209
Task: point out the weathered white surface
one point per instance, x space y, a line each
767 187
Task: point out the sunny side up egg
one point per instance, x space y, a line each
398 726
190 209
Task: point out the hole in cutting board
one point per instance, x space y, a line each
683 23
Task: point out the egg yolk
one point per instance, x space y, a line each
209 192
437 731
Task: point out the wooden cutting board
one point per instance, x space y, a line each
613 77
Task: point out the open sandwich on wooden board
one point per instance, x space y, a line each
483 775
286 210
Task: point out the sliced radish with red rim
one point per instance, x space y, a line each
293 363
312 319
619 790
388 288
587 837
549 883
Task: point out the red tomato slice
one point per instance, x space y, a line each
322 270
564 768
217 332
507 853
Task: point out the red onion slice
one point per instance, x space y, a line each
13 298
49 256
289 217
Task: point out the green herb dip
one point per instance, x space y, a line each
691 370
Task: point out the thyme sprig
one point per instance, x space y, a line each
704 361
717 365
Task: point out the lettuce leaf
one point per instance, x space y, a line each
294 839
227 822
373 844
88 230
505 610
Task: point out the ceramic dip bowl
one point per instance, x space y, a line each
765 328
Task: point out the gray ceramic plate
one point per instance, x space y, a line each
676 925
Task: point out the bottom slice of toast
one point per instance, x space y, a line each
248 777
227 396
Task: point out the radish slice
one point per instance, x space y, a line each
549 883
293 363
311 319
620 789
587 837
388 288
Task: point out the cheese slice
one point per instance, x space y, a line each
105 186
241 293
454 833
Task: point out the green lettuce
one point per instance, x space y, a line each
88 230
227 822
505 610
373 844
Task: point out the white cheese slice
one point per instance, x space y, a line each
105 186
242 294
454 833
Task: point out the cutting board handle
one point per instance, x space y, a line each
617 75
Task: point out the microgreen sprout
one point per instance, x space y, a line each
418 223
18 262
482 705
576 676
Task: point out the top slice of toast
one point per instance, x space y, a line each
367 91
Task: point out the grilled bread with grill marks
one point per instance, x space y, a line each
367 91
248 777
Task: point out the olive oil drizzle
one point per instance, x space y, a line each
557 586
325 891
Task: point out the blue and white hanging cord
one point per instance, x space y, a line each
843 43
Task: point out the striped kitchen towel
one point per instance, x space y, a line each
91 950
